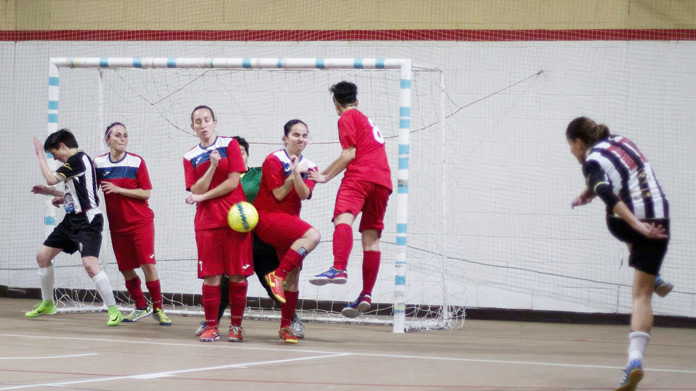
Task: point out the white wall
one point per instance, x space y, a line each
511 239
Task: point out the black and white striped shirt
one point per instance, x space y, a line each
630 176
80 179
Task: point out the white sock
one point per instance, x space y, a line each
47 276
101 281
636 348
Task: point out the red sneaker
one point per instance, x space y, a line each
210 334
236 334
287 335
277 285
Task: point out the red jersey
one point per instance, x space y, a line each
213 213
130 172
274 171
370 162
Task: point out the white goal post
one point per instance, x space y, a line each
404 65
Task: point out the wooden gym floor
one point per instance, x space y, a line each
79 352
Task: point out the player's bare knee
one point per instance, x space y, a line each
314 236
92 268
237 278
128 274
150 272
41 260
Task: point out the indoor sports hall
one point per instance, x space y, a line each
494 275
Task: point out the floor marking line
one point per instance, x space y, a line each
48 357
172 373
196 344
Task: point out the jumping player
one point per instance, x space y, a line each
637 214
284 185
125 182
265 257
365 189
82 226
213 169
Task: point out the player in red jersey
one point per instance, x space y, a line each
213 169
284 185
126 185
365 189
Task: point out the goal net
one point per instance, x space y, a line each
253 98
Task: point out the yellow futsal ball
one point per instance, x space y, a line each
242 217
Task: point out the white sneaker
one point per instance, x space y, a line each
201 328
297 327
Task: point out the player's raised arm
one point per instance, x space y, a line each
336 167
48 175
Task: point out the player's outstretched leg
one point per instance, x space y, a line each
662 287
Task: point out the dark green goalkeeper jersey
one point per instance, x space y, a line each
251 180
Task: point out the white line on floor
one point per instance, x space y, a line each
48 357
172 373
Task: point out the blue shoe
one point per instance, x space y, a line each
356 308
333 276
662 287
633 375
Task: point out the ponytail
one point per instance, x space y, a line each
586 130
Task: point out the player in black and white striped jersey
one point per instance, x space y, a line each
81 228
637 214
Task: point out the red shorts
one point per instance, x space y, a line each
134 248
224 251
280 230
369 198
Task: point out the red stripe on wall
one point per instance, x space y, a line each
352 35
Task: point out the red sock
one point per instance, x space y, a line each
290 261
287 310
211 303
136 292
370 269
238 293
342 245
155 293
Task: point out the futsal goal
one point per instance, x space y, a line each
253 98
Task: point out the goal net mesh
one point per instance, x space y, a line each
155 105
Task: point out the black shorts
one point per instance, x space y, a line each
77 233
646 254
265 258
